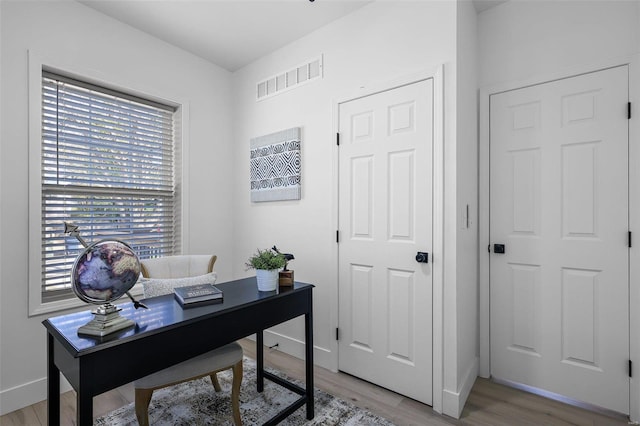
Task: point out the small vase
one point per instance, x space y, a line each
267 279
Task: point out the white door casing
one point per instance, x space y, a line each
558 173
385 217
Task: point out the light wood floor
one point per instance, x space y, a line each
489 403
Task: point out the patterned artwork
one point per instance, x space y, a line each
275 166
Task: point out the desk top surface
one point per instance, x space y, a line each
164 312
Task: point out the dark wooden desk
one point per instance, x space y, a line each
165 335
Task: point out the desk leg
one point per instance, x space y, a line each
84 406
260 360
53 386
308 336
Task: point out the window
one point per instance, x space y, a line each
107 165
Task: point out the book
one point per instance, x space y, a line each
197 295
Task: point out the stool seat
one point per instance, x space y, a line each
199 366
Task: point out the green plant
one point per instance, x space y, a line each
266 259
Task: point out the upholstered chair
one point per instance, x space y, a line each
160 276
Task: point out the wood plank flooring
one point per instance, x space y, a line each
488 404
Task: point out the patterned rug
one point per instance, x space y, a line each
196 403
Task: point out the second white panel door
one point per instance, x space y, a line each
559 204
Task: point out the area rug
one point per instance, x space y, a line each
196 403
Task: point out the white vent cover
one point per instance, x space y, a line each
287 80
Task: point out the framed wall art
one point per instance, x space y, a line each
275 166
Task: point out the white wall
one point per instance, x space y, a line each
374 45
528 38
126 58
461 291
527 42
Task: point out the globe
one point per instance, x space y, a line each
105 271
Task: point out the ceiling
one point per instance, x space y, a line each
482 5
228 33
232 33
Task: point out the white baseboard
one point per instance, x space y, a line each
322 357
453 402
21 396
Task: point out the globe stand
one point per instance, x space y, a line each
106 320
111 285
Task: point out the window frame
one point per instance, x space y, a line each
37 65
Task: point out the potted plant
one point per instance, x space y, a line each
267 264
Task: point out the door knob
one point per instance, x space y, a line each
499 248
422 257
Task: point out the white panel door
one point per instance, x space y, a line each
559 204
385 218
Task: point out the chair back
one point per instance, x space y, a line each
182 266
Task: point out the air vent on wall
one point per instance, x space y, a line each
287 80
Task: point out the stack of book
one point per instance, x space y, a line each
197 295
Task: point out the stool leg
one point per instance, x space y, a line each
235 393
215 382
143 398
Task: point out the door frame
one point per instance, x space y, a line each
437 75
633 63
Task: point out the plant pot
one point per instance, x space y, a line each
267 279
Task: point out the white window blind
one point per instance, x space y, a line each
108 166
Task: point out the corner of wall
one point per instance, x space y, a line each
453 401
